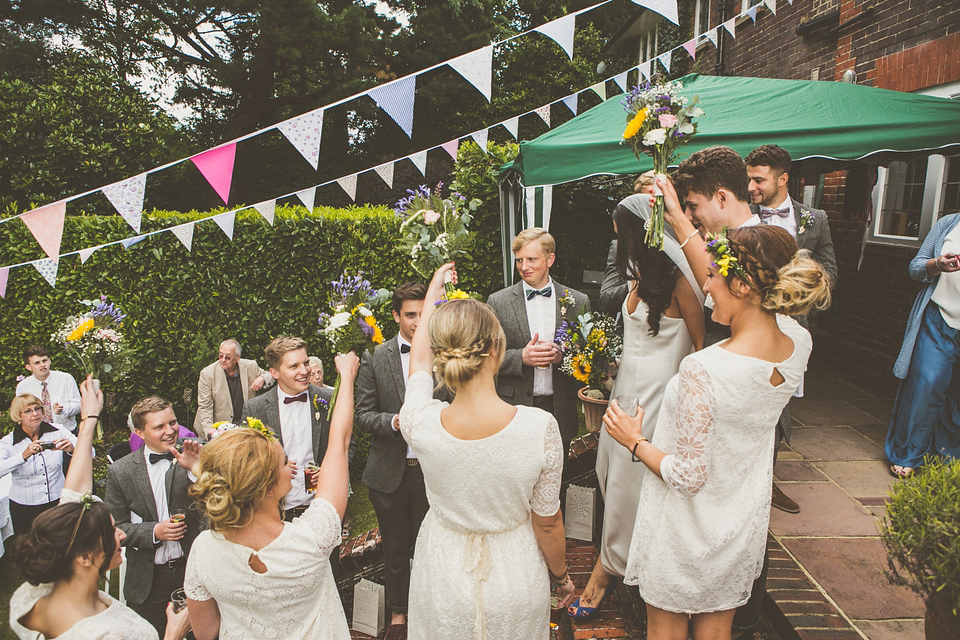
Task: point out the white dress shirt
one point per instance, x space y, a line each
542 319
157 472
405 366
297 432
946 294
63 391
38 479
789 223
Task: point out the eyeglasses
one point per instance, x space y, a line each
33 410
224 356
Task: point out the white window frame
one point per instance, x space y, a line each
746 4
652 39
698 7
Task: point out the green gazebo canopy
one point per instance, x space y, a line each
829 120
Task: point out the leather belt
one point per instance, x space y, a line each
176 563
413 462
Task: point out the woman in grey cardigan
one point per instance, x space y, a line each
926 416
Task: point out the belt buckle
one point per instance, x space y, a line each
413 462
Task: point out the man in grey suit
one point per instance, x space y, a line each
147 495
297 412
530 313
393 473
225 385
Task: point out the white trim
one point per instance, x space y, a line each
930 207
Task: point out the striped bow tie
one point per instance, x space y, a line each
546 292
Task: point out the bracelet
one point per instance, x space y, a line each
562 578
633 452
88 417
687 239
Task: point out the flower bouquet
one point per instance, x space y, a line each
658 121
351 326
93 340
435 230
591 348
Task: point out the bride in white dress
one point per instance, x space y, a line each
700 533
493 539
662 324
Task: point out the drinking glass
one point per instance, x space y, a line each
308 470
179 600
178 515
628 404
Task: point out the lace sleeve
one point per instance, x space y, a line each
192 584
69 495
546 493
686 470
418 396
324 523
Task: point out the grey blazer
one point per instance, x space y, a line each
613 289
266 408
815 237
515 380
129 491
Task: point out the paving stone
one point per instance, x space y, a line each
879 408
828 411
851 571
860 478
832 621
891 629
825 386
834 443
825 510
876 432
821 607
797 471
829 634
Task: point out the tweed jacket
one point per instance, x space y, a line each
213 394
813 234
515 379
266 408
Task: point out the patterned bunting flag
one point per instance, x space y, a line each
480 137
665 59
711 36
561 32
127 198
621 80
349 185
512 126
4 273
307 197
225 221
451 147
772 5
419 160
129 242
397 99
46 225
731 27
571 102
666 8
86 253
48 269
268 209
385 171
690 46
304 133
476 68
600 89
216 165
184 233
544 113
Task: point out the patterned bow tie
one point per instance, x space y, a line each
404 348
766 214
546 292
157 457
300 398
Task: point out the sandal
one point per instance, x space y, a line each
900 472
580 612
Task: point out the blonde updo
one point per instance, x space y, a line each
787 280
463 333
234 474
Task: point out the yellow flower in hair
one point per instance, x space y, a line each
634 126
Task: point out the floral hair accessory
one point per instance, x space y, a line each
718 246
223 426
86 501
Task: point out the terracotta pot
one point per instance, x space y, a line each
593 410
939 622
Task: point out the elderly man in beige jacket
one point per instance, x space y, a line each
225 385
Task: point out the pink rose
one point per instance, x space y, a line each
430 216
667 120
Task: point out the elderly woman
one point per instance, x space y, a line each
33 453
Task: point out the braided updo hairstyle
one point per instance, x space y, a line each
44 554
788 281
462 335
235 472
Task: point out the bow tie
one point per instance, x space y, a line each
769 213
404 348
157 457
300 398
546 292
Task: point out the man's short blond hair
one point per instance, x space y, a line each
525 237
280 346
145 406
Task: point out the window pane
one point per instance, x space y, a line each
704 11
951 186
903 199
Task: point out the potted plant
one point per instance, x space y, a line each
922 534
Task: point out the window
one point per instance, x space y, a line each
746 4
910 196
701 17
648 45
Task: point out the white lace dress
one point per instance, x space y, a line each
478 571
116 622
296 597
700 534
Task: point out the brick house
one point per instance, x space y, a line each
879 210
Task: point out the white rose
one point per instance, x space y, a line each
655 136
338 320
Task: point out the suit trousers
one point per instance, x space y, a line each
399 515
165 582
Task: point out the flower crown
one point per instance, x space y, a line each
86 501
718 246
223 426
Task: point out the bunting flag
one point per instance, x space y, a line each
690 46
539 205
476 68
349 185
307 197
544 113
385 171
790 2
419 160
480 137
600 89
571 102
268 209
397 98
451 147
303 132
561 32
48 269
4 274
621 80
129 242
225 222
731 27
127 198
665 59
184 233
645 69
666 8
86 253
772 5
512 126
46 225
711 36
216 165
752 12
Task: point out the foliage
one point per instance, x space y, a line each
93 340
921 531
591 347
434 229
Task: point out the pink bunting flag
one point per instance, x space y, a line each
46 225
451 147
691 48
303 132
4 273
216 165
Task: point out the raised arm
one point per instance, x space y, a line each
80 474
333 475
421 356
690 241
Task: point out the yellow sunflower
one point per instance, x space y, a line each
581 368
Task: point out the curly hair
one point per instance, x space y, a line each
462 335
44 554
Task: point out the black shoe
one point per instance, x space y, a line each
782 502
